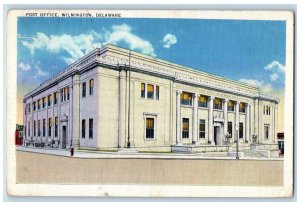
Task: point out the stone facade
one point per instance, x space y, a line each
116 98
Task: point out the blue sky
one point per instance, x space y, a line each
247 51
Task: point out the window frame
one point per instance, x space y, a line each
154 116
91 88
185 134
83 129
91 129
268 131
202 131
221 104
83 90
241 124
186 102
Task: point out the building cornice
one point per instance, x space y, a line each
141 63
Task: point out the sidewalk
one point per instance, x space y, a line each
132 155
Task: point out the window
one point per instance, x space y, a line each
229 128
157 92
218 103
143 90
83 128
55 97
242 107
202 128
44 127
90 128
39 104
68 93
149 128
49 126
241 130
65 93
34 128
186 98
91 87
185 128
267 110
61 95
34 106
39 128
150 91
49 100
230 106
266 131
202 101
56 127
29 128
83 89
44 102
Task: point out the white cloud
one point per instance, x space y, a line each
123 33
274 77
264 87
79 45
275 66
39 72
24 67
169 39
252 82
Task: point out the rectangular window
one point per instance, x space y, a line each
149 128
44 102
218 103
202 128
39 104
241 130
61 95
29 128
242 107
39 128
83 89
56 127
49 100
150 91
68 93
34 106
185 128
202 101
55 97
143 90
91 87
269 111
34 128
65 94
83 128
157 92
186 99
230 106
90 128
266 131
49 126
229 129
44 127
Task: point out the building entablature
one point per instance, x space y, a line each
117 58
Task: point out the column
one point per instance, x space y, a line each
256 118
32 118
75 101
237 121
24 120
225 103
53 119
70 122
211 121
178 118
195 119
247 135
122 109
59 115
275 122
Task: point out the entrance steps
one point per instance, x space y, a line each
127 150
199 148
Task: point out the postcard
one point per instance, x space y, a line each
150 103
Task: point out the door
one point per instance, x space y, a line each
216 134
64 137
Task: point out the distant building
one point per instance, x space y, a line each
19 133
116 98
280 138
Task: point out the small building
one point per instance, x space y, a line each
19 134
116 98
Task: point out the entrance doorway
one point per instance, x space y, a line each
64 137
216 134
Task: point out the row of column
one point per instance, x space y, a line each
195 132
